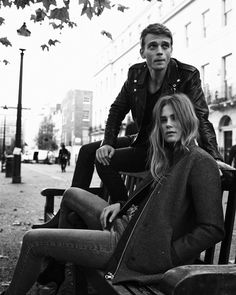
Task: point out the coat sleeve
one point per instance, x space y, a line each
207 136
118 110
205 193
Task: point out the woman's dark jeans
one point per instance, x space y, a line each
91 247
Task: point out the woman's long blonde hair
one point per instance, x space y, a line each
185 114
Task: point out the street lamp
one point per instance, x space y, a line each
16 174
3 158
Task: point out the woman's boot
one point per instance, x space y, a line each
54 272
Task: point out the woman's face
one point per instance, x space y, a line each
170 125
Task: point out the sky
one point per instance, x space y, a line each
47 76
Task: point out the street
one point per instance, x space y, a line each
21 205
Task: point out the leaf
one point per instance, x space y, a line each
6 3
55 26
23 31
45 46
5 61
39 15
4 257
107 4
22 3
1 20
107 34
67 3
88 11
53 42
47 3
122 8
5 41
71 24
60 13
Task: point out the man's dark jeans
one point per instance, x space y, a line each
126 158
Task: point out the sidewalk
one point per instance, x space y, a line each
21 205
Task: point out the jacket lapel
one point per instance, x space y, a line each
172 78
143 184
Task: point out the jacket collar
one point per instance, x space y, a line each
172 75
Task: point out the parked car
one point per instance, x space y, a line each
27 156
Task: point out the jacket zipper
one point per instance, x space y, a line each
110 275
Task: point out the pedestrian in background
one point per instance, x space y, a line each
64 155
232 156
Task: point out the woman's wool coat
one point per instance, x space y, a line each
182 217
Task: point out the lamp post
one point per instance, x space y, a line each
3 159
16 175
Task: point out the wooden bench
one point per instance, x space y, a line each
215 273
131 180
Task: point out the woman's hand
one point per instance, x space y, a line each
108 214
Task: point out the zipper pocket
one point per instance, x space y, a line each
110 275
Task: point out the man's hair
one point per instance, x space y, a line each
185 114
155 29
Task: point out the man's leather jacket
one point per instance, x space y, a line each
180 77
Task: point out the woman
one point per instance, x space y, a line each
173 216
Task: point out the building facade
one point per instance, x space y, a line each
76 110
8 126
203 34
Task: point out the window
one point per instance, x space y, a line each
86 99
206 82
187 33
85 115
227 11
205 22
228 76
130 37
160 12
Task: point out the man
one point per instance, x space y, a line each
63 157
160 74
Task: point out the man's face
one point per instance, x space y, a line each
157 51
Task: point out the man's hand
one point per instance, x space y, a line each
104 154
108 214
224 166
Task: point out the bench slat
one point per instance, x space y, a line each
104 287
143 290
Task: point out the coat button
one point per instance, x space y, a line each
135 81
135 89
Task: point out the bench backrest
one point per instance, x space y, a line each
222 253
131 180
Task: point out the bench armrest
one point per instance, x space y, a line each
51 192
200 279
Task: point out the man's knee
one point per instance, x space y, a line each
89 149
